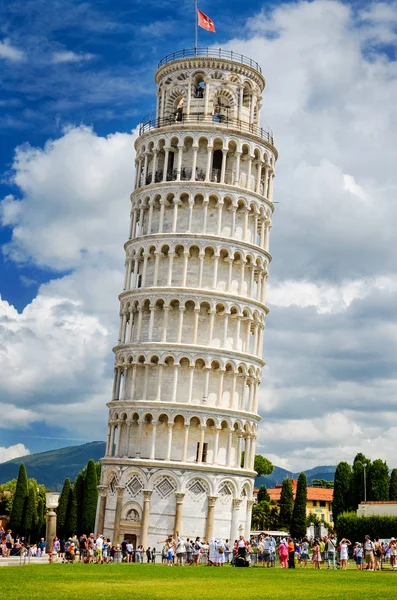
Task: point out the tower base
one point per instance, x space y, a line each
147 503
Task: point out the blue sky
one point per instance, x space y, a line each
75 78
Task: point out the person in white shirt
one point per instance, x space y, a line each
99 549
180 551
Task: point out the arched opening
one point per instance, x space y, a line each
217 165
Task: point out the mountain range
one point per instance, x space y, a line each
52 467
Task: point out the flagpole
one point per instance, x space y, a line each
195 28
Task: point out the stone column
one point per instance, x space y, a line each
175 216
238 454
154 165
166 154
153 448
236 503
219 225
194 162
190 389
179 162
180 325
229 448
50 529
171 257
201 444
209 163
145 516
175 382
237 168
139 440
169 441
178 513
250 504
220 387
102 490
223 168
185 442
209 526
117 515
216 445
117 452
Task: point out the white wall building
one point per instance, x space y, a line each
192 314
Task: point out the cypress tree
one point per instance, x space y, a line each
71 517
19 501
286 504
78 487
378 480
263 494
393 485
40 528
342 488
90 498
63 508
298 522
30 516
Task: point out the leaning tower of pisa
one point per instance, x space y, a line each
183 417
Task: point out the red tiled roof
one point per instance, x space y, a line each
312 494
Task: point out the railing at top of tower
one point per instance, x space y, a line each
151 122
210 53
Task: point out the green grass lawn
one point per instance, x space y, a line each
58 582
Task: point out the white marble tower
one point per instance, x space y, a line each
192 314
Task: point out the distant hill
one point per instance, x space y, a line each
52 467
322 472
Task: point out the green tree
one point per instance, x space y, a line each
393 485
63 508
19 501
71 516
90 498
342 488
298 522
286 504
78 487
322 483
262 465
378 480
263 494
30 514
40 527
357 480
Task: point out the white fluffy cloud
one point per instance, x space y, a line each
10 52
67 56
329 387
12 452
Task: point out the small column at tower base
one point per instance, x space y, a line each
147 494
178 513
102 509
117 514
209 526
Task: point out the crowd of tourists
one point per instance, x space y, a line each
261 550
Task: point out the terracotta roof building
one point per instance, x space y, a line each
319 500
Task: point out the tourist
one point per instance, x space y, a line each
9 542
90 547
304 553
148 555
227 551
83 548
99 549
197 549
377 553
124 550
331 551
220 553
369 553
321 543
358 556
241 547
283 553
316 557
130 551
261 550
189 552
139 554
42 546
212 553
106 550
170 551
164 552
153 555
266 551
56 546
291 553
393 552
344 552
180 550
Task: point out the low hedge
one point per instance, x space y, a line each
355 528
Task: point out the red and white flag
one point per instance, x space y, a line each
205 22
